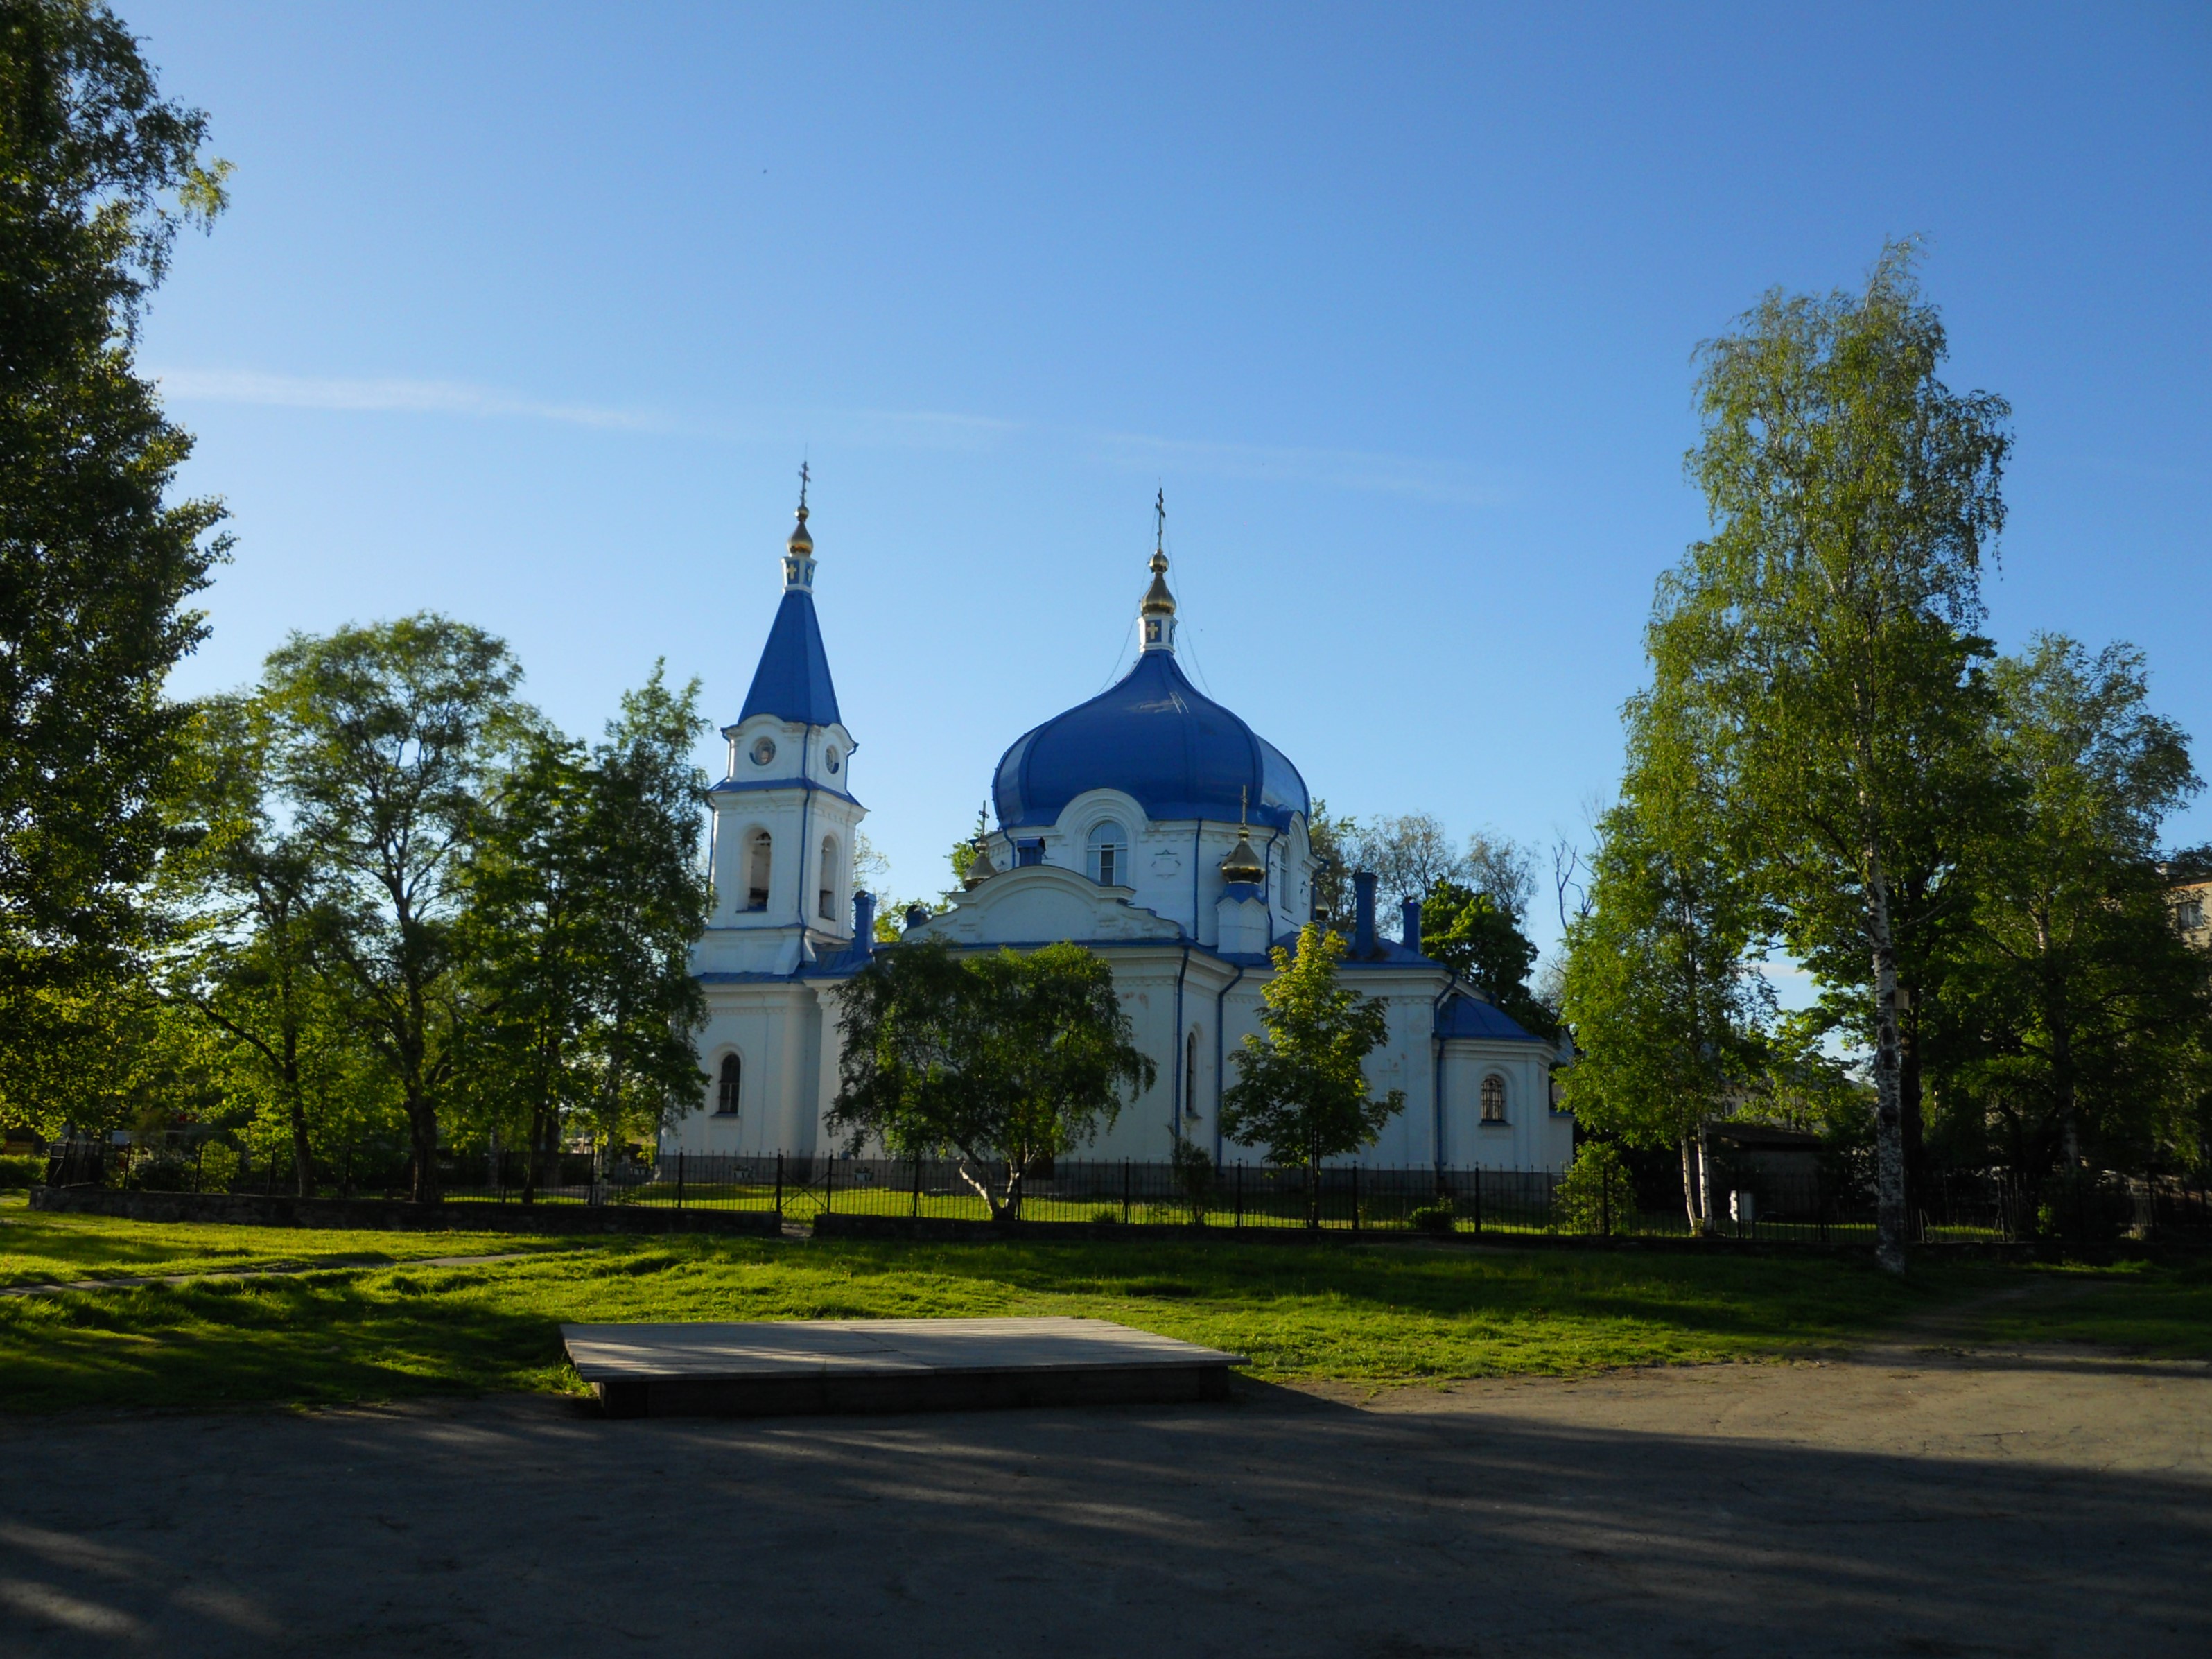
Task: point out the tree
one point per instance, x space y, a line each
1658 986
1409 853
586 891
1003 1061
386 738
244 894
1301 1091
1333 841
2077 1019
97 171
1469 933
1825 628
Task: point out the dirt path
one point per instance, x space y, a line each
1923 1496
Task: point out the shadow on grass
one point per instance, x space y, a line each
316 1340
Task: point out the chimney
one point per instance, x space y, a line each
915 916
1412 908
1362 914
864 924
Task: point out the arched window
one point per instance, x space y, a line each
758 862
1190 1075
1493 1099
1109 854
827 903
725 1087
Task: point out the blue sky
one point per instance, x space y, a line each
528 314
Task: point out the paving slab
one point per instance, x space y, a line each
765 1368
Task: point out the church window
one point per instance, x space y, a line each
1493 1099
1109 854
725 1087
828 903
764 751
831 759
759 854
1027 853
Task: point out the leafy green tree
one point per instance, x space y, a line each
1333 841
1597 1194
97 171
2077 1021
1002 1060
586 891
1826 627
1659 986
1301 1090
1470 932
385 741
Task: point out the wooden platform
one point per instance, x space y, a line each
780 1368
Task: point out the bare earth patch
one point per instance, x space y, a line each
1924 1496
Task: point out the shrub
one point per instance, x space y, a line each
21 1169
1106 1212
1597 1195
1194 1179
1438 1217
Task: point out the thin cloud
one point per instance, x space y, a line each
393 396
1357 470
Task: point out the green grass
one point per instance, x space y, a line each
1378 1313
36 1249
2159 1309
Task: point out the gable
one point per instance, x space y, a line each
1041 904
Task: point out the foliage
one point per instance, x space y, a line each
385 739
585 891
1301 1090
1196 1178
1333 841
1659 985
1824 630
96 172
962 854
1412 855
1003 1061
2076 1022
1471 934
1597 1194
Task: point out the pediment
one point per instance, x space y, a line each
1041 903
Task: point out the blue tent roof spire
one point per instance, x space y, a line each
793 681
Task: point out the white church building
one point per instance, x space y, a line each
1149 825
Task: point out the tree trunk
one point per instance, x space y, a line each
1911 1092
422 1134
1691 1178
303 1159
1890 1216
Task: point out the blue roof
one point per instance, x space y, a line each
1155 738
793 680
1471 1017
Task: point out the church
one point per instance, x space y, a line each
1150 824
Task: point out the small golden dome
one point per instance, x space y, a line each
981 869
800 541
1158 602
1243 864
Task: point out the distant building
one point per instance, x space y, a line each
2189 891
1150 824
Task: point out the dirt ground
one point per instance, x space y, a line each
1906 1500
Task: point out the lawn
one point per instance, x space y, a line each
37 1249
1379 1312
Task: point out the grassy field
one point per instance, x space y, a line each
1380 1312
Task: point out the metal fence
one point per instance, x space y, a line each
1956 1206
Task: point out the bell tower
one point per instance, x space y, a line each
784 813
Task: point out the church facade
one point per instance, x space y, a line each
1150 824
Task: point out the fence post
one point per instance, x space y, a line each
1240 1192
779 1186
679 1180
1125 1190
1355 1197
829 1180
1478 1200
915 1209
1605 1202
199 1160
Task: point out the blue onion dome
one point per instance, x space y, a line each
1155 737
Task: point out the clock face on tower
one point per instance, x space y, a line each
832 760
764 751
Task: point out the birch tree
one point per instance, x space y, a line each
1825 629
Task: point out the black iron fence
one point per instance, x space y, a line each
1954 1207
